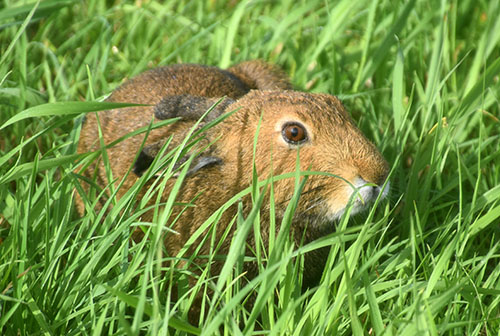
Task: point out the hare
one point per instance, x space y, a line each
289 123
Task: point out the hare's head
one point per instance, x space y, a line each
288 124
318 129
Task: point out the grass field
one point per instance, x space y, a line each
421 79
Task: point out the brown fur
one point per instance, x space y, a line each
149 88
335 145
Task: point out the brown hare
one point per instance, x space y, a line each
315 125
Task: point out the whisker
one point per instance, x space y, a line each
318 202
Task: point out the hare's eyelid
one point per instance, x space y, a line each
294 133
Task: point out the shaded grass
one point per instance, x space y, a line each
421 79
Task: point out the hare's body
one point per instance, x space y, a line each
317 124
149 88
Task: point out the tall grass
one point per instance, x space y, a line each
421 79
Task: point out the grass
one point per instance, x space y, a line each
420 77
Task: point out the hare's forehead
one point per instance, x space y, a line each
313 117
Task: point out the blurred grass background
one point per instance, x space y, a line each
420 77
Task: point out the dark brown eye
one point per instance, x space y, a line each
294 133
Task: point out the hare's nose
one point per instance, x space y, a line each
377 177
368 191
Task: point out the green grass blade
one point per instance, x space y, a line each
21 30
133 301
231 33
398 91
63 108
381 52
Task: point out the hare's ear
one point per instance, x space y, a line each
149 152
190 107
146 157
186 107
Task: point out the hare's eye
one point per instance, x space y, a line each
294 133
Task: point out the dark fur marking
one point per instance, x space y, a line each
189 107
